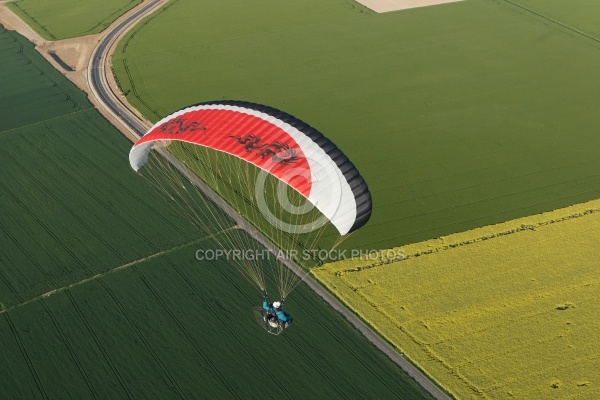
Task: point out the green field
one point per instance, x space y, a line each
56 20
53 141
579 15
175 328
100 293
458 115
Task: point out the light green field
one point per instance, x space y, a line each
55 20
458 115
579 15
100 292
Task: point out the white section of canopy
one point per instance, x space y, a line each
331 193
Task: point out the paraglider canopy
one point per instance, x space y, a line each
277 143
288 181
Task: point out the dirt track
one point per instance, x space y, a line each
71 56
14 23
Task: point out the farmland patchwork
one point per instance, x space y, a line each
508 310
56 20
100 293
458 116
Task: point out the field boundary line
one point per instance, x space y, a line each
443 243
428 330
58 117
42 32
118 14
115 269
589 36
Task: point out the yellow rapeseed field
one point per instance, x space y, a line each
505 311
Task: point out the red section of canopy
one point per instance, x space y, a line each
248 137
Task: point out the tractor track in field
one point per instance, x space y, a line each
26 356
100 346
553 21
113 102
111 271
71 350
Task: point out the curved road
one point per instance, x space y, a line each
96 73
103 92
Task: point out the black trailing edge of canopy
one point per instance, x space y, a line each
358 185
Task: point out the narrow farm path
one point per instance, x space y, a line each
113 270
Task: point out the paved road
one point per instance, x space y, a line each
101 89
97 71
